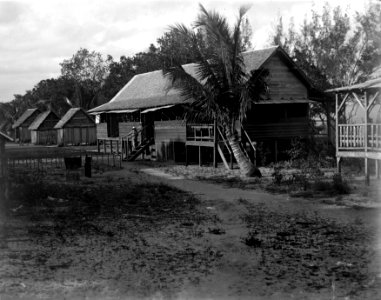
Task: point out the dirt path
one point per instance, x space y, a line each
214 192
235 276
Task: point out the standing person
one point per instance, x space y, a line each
134 137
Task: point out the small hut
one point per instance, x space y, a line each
21 126
3 167
42 129
76 128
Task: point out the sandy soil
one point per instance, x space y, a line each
232 244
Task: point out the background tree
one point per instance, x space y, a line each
88 70
333 49
222 90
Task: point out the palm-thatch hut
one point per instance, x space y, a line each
76 128
21 126
42 129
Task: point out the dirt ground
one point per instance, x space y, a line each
140 233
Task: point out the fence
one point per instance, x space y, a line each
56 160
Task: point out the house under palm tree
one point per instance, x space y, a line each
147 103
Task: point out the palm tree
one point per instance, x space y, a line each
221 89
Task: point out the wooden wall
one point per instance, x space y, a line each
126 127
44 137
3 166
170 138
76 135
24 134
277 130
3 175
271 121
102 131
283 83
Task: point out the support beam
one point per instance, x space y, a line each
199 156
337 123
215 144
338 164
366 169
359 101
342 103
186 155
377 169
372 100
366 139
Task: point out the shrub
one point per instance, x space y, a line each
339 185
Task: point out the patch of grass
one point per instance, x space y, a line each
311 250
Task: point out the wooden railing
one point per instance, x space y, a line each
200 132
221 137
352 136
374 136
246 137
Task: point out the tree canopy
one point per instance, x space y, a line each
333 49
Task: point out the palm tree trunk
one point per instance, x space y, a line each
244 163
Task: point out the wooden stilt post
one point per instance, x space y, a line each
366 163
186 154
215 144
377 168
338 159
276 150
338 164
366 139
199 156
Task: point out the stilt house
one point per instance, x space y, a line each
42 129
358 123
147 103
21 126
76 128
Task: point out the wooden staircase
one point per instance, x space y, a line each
139 149
224 150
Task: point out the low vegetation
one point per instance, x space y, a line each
316 253
108 237
82 239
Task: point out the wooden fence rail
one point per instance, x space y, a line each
46 162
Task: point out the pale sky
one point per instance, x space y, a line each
36 35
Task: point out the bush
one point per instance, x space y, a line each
339 185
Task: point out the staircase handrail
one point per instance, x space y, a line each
249 139
224 140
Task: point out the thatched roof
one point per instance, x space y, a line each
70 114
40 119
25 116
152 89
5 137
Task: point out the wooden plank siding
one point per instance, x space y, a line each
283 83
277 130
77 135
44 137
126 127
102 131
170 138
24 134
